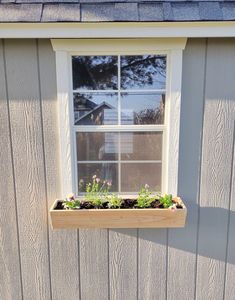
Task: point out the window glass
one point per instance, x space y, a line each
143 72
95 72
95 108
136 175
142 108
97 146
122 91
104 171
141 145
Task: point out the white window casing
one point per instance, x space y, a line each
172 47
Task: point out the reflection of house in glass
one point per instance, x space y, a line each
87 112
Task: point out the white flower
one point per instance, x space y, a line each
71 196
94 177
146 186
97 180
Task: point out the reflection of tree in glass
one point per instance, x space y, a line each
100 72
95 72
151 115
142 71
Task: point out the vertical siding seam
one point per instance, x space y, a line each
13 169
79 266
200 169
167 254
229 212
137 264
108 265
44 165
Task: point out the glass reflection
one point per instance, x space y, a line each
95 72
97 146
136 175
141 145
104 171
143 72
95 109
142 108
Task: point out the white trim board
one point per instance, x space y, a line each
173 48
118 30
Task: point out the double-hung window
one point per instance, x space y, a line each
119 104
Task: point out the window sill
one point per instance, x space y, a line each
117 218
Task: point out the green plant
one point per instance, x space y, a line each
97 191
144 198
166 200
114 201
71 202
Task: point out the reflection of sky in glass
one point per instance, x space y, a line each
95 108
143 72
142 108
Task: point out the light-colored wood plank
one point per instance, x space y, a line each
230 268
10 277
218 133
94 264
123 264
65 284
25 114
117 218
182 243
152 264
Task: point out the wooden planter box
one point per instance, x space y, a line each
117 218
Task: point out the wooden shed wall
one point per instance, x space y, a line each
197 262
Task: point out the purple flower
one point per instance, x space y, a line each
109 183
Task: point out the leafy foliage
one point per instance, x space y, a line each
166 200
114 201
71 202
97 191
98 196
145 197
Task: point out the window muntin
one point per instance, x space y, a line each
128 155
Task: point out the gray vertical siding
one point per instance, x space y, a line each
197 262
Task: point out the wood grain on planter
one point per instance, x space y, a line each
117 218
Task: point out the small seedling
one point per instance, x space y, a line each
166 200
145 198
114 201
71 202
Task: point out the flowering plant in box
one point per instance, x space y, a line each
98 196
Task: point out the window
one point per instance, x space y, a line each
119 104
129 92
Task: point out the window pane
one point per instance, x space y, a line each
141 146
95 72
95 108
97 146
136 175
143 72
104 171
142 108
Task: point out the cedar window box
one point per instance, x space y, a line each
117 218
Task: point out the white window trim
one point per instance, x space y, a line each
173 47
